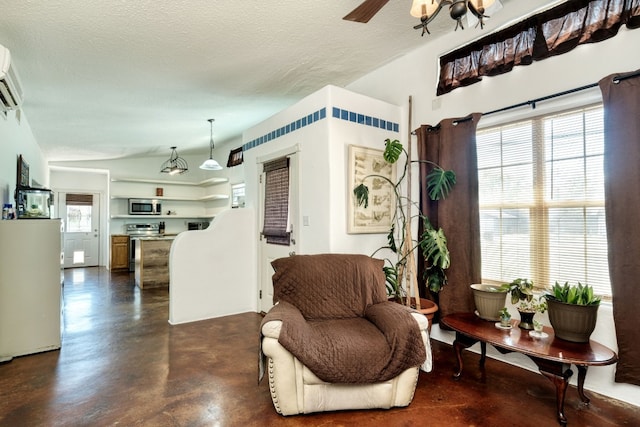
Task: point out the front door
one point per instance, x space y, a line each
271 251
81 215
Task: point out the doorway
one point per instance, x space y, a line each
282 242
80 214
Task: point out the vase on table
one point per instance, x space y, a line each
526 319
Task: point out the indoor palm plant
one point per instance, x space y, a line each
432 242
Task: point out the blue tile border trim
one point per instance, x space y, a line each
318 115
363 119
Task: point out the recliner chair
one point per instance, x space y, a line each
333 341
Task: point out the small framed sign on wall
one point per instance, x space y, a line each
367 166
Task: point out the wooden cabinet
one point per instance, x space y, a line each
119 252
152 262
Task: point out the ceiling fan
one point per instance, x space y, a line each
426 10
366 11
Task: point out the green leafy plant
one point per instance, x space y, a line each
521 291
432 241
504 313
573 294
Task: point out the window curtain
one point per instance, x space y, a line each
79 199
276 202
621 99
452 145
549 33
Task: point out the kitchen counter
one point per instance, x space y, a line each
152 261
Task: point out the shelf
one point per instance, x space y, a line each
175 199
209 217
205 183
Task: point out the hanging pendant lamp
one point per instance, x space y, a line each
175 165
210 164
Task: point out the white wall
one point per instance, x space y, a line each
416 75
211 274
323 153
16 138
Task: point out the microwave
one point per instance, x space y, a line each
145 207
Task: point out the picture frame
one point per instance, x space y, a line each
364 163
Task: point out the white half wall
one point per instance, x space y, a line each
212 272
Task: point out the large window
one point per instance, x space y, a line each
541 187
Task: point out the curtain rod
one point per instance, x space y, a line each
615 79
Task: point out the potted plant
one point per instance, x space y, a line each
573 311
488 300
432 242
505 317
521 291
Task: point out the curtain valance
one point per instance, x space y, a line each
549 33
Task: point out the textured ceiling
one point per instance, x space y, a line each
111 79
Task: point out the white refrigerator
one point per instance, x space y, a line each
30 286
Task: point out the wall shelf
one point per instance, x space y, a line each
205 183
191 202
175 199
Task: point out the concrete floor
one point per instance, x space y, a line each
121 363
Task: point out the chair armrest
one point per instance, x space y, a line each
271 329
423 322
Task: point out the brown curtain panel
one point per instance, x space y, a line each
452 145
621 100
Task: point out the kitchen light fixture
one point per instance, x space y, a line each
427 10
210 164
175 165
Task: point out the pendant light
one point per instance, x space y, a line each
175 165
210 164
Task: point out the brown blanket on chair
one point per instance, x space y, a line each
337 320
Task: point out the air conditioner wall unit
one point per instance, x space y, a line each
10 87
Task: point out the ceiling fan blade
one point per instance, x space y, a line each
365 11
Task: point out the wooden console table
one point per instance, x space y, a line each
553 357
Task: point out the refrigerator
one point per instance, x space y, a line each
30 287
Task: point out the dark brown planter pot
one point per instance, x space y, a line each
572 322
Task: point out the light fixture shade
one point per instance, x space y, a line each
421 8
175 165
210 164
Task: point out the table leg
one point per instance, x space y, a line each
483 354
558 374
460 343
582 374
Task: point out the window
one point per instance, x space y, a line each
541 191
237 195
79 211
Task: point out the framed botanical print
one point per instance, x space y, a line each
367 166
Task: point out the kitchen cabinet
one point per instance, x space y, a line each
119 252
180 199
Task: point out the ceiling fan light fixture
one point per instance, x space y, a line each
175 165
210 164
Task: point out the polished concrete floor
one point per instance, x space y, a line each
122 364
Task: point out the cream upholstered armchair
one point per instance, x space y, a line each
333 341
